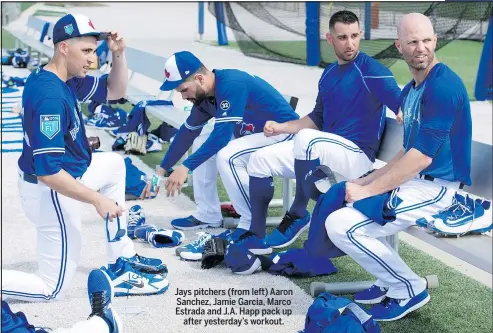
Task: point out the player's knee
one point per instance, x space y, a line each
223 156
336 225
302 141
115 160
259 164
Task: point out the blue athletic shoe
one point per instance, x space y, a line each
463 216
251 242
143 231
392 309
144 265
287 232
372 295
165 238
241 260
232 236
191 223
136 218
100 292
127 280
193 251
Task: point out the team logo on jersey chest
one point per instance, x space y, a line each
50 125
224 105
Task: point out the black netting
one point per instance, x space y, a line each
276 30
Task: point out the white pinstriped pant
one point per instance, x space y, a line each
58 222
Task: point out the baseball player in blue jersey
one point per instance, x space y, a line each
433 164
57 171
241 103
343 132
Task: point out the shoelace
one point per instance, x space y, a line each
133 218
199 242
286 222
98 302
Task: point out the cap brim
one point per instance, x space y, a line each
99 35
170 85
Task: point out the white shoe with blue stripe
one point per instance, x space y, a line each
127 281
465 215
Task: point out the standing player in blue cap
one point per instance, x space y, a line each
57 171
241 103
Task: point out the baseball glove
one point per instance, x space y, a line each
94 142
136 144
213 253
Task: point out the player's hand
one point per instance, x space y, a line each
116 43
399 116
360 181
146 192
355 192
160 171
272 128
105 206
176 180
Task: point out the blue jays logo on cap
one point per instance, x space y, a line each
50 125
69 29
178 68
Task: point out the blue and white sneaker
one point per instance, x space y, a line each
144 264
136 218
372 295
153 143
165 238
465 215
191 223
127 281
392 309
193 251
253 243
288 231
100 292
114 132
141 232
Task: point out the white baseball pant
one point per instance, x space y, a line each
94 324
363 239
338 153
58 223
231 163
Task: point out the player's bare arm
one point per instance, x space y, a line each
65 184
118 77
273 128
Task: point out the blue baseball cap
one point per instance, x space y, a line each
178 68
71 26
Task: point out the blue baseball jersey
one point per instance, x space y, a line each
437 122
54 134
241 106
351 101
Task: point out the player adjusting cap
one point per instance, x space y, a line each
178 68
76 25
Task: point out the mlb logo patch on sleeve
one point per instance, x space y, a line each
50 125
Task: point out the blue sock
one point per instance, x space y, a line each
261 193
301 198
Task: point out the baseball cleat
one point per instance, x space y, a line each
193 250
127 281
145 265
253 243
136 218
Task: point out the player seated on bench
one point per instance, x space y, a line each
434 163
343 132
241 103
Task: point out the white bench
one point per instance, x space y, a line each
473 249
37 32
